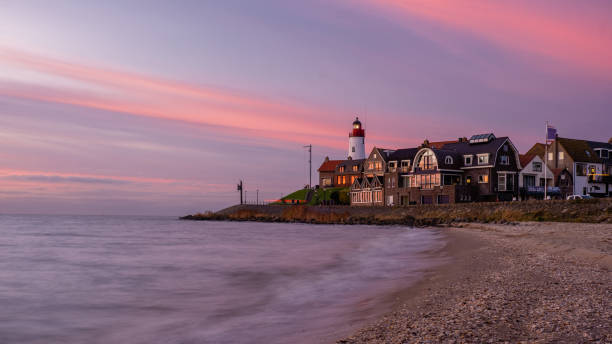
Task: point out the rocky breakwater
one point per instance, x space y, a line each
586 211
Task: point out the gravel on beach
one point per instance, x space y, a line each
529 282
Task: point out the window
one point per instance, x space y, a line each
355 168
604 153
353 179
427 161
483 178
505 148
448 160
529 180
537 167
587 153
378 165
592 169
468 180
370 166
467 160
501 182
339 180
374 155
581 170
550 156
504 160
483 159
341 169
353 149
343 179
560 155
405 163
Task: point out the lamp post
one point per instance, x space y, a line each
309 166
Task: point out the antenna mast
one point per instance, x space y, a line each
309 165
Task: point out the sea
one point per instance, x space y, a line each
122 279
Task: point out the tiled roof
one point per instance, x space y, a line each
329 165
538 149
579 150
526 159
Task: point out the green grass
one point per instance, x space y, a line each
299 195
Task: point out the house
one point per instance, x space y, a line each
531 178
327 172
583 164
603 150
483 168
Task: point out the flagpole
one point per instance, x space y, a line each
545 159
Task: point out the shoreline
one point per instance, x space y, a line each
533 282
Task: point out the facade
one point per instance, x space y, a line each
347 171
483 168
603 150
367 191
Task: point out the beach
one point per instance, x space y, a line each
523 282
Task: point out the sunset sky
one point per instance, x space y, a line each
160 107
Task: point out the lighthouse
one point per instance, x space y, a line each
357 141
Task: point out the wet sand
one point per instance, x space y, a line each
529 282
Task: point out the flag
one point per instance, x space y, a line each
551 133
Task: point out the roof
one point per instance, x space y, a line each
526 158
538 149
329 165
441 144
482 147
441 155
597 144
579 150
403 154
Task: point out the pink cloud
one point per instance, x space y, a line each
566 38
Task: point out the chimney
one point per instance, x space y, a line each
326 159
425 143
610 140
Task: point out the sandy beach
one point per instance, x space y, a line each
528 282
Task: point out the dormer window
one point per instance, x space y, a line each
467 160
355 168
587 153
341 169
405 163
604 153
537 166
448 160
483 159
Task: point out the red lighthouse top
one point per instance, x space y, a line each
357 129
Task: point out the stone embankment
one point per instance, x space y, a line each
588 211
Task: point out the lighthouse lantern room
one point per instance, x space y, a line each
357 141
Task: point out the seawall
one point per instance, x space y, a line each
588 211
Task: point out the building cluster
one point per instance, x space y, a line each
480 168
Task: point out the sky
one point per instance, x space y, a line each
151 107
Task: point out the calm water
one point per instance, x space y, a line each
87 279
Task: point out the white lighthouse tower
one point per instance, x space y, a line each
357 141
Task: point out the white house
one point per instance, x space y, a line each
531 177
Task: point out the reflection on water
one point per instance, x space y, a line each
87 279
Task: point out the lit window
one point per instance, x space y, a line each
550 156
483 178
341 169
355 168
561 156
427 161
